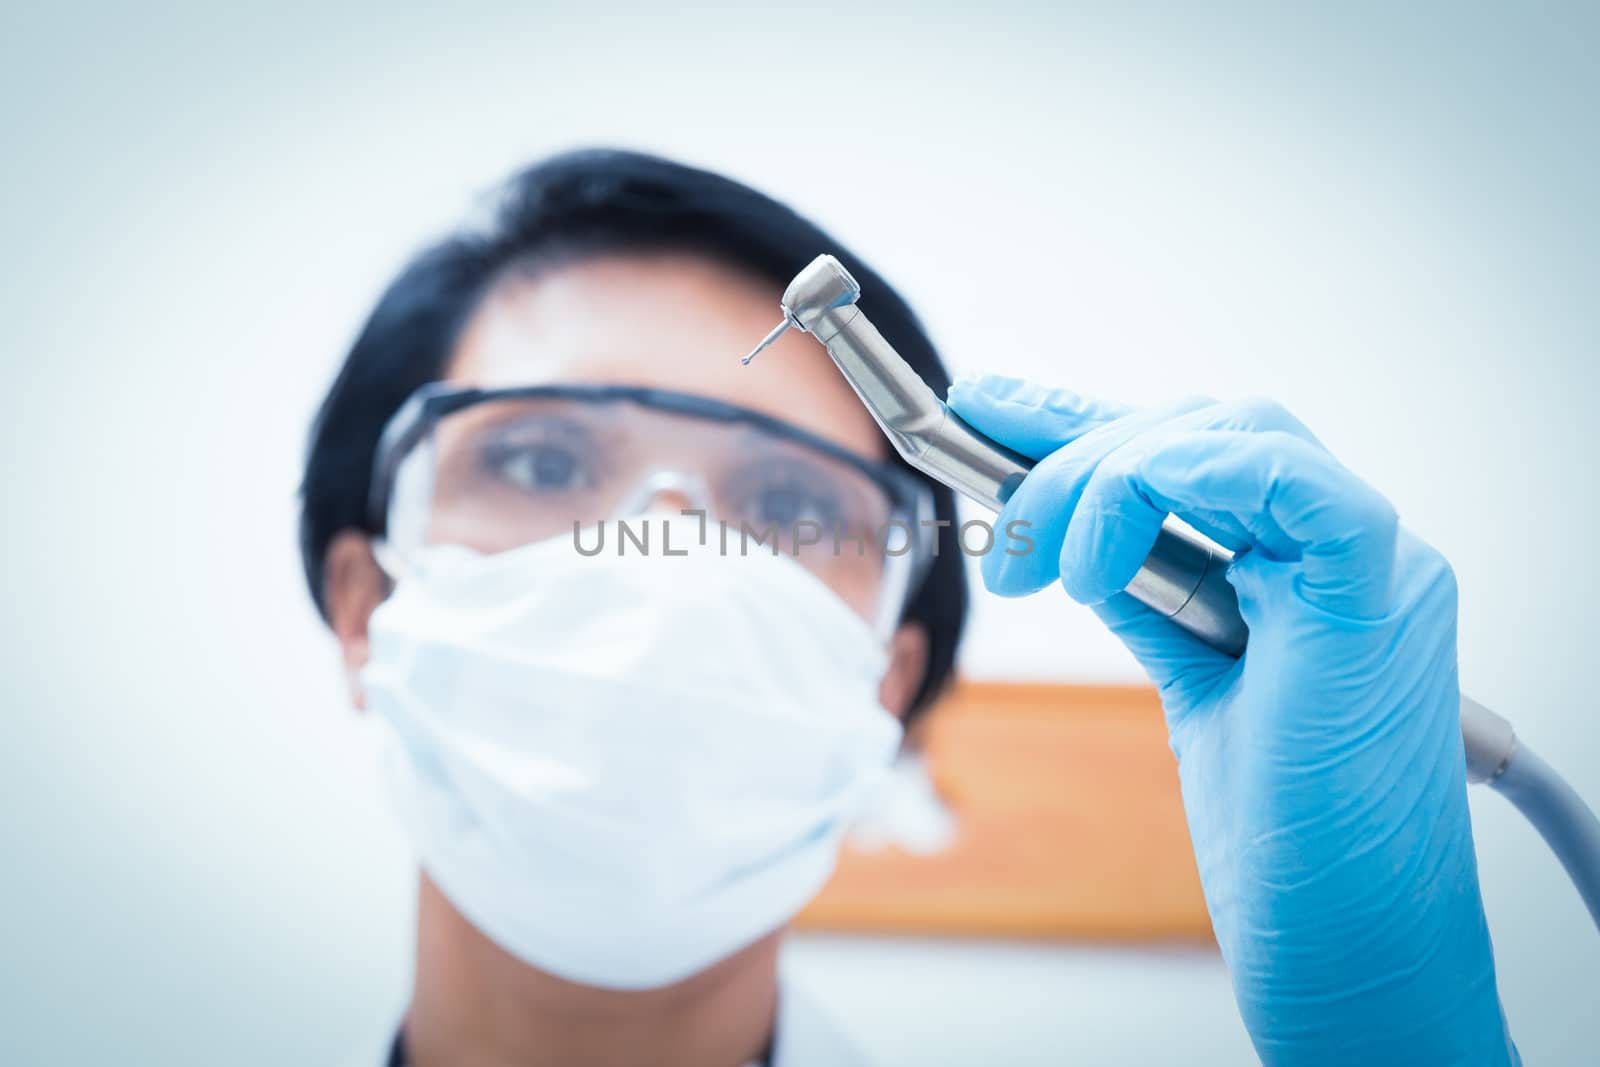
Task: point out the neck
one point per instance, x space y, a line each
474 1005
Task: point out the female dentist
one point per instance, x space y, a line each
624 773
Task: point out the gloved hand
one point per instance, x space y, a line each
1322 773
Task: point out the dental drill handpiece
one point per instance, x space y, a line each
1183 577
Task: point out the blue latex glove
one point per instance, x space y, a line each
1322 774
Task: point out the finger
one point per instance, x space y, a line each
1287 493
1256 415
1026 417
1052 491
1045 499
1180 664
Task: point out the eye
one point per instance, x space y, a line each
539 461
787 495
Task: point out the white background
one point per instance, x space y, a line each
1384 220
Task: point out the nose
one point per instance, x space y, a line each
667 490
670 500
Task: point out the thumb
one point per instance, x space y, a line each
1026 417
1184 668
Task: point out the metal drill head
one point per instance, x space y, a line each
823 286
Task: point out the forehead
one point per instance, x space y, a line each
676 322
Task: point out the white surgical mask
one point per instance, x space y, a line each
623 770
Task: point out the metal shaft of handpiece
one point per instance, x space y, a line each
922 429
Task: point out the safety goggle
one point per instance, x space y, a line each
495 469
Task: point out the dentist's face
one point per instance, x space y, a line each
669 321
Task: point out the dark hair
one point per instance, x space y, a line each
577 204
